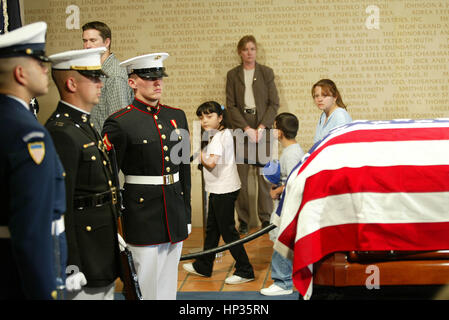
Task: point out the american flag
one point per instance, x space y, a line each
367 186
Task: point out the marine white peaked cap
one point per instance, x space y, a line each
74 59
87 61
147 66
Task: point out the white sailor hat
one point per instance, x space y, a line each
146 66
28 40
85 61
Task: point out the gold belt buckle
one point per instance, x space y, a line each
168 179
114 195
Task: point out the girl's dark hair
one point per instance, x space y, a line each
214 107
329 87
208 108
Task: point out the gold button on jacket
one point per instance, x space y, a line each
164 214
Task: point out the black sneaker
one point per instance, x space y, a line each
243 228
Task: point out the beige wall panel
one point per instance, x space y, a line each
389 58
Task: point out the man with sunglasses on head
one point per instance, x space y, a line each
157 185
90 220
32 180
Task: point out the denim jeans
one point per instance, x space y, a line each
281 271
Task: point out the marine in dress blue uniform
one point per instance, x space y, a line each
32 179
157 187
90 219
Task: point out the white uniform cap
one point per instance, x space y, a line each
146 66
86 61
28 40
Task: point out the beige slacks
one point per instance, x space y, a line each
264 201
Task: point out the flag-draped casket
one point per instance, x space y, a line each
367 186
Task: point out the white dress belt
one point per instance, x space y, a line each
4 232
155 180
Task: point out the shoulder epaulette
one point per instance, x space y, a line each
121 112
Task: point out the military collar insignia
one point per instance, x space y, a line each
74 113
151 109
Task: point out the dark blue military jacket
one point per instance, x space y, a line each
91 228
147 143
32 195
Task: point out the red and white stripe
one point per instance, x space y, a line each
367 186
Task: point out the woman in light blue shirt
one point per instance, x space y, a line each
328 99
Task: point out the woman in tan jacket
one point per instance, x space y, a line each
252 101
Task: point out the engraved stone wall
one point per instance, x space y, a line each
389 58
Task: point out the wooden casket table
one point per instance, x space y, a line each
371 193
396 268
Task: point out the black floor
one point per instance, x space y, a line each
383 293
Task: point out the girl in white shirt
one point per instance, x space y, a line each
223 184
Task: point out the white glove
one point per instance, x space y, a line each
121 243
189 229
75 281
